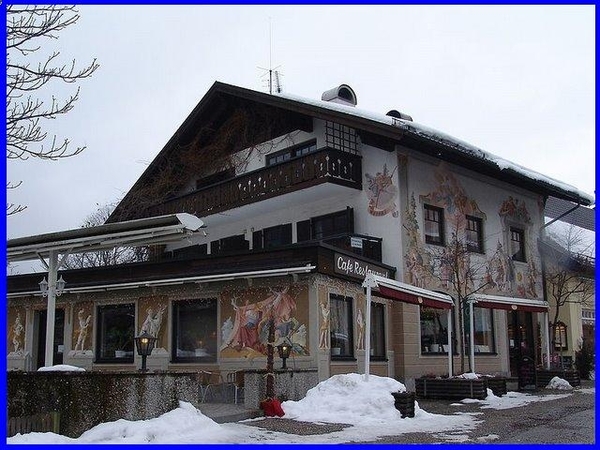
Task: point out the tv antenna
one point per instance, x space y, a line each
274 75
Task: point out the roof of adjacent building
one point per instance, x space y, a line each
582 217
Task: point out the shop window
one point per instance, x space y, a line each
195 330
378 330
341 320
560 336
474 234
517 244
116 330
434 330
483 327
434 225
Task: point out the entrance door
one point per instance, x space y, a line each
59 336
522 348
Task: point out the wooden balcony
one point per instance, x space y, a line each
323 166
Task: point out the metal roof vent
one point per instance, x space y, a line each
341 94
398 115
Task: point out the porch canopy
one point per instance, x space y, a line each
395 290
509 303
132 233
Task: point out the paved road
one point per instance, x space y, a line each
568 420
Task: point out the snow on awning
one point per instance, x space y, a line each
395 290
510 303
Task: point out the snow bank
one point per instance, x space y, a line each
559 383
61 368
348 398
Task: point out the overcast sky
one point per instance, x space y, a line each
517 81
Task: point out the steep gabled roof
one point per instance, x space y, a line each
372 126
582 217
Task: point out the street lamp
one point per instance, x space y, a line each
284 353
144 343
59 287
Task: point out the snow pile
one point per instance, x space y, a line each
354 400
468 376
511 400
559 383
61 368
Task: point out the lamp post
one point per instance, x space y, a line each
284 353
51 289
144 343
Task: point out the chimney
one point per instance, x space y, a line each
398 115
341 94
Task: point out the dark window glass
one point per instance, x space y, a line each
195 330
332 224
378 330
340 320
517 244
341 137
560 336
292 152
215 178
434 330
278 235
190 251
257 240
303 231
434 225
474 234
115 333
230 244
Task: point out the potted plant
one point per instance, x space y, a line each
120 340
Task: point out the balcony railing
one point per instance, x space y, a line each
324 166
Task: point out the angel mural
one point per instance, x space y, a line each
382 193
249 329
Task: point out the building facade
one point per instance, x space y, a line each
301 199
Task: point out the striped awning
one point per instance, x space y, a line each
395 290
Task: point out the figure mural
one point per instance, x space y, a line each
360 326
382 193
17 331
248 331
82 331
153 321
514 209
324 325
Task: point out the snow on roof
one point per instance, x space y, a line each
439 137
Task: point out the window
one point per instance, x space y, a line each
340 321
474 234
195 330
215 178
483 327
517 244
116 330
229 244
191 251
341 137
434 330
560 336
292 152
341 222
434 225
272 237
378 330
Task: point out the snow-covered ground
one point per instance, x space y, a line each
367 406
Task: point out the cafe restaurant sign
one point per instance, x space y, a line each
346 265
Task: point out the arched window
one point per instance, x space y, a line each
560 336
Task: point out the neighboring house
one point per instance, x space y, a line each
301 199
570 241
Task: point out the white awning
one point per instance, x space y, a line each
174 281
395 290
509 303
140 232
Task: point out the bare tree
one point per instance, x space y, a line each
568 272
110 257
31 83
462 275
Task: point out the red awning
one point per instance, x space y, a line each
396 290
510 303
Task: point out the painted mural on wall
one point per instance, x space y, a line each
245 330
16 333
382 193
83 330
153 311
437 267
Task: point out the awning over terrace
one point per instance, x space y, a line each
395 290
509 303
